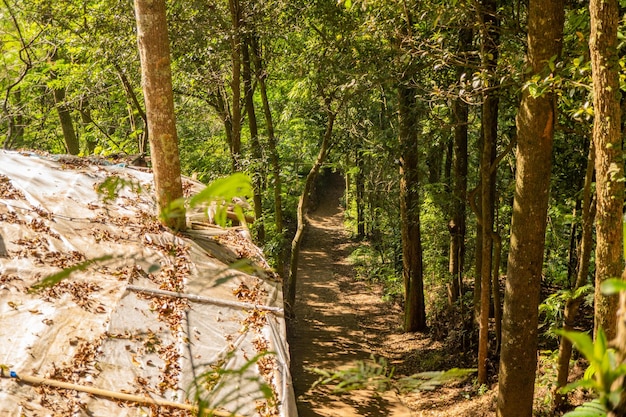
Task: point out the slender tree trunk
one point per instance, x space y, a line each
609 160
459 207
261 75
489 54
223 111
412 270
235 83
359 182
572 305
447 166
535 131
143 139
15 131
303 205
87 128
154 52
15 120
65 117
255 145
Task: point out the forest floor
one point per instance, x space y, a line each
340 320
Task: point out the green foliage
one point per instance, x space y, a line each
220 387
604 370
613 286
221 193
371 266
52 280
551 309
589 409
376 374
109 189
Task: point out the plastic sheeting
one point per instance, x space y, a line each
155 314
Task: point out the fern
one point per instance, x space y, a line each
377 375
589 409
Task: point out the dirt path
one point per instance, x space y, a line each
338 320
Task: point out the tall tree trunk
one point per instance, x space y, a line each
535 132
143 139
489 54
572 305
15 128
15 120
412 270
303 205
261 75
65 117
154 52
359 181
459 206
87 128
222 108
255 145
609 160
235 83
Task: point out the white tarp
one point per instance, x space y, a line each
122 325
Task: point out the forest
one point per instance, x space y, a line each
480 143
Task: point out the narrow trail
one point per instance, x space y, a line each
338 320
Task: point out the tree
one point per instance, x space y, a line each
609 160
412 256
154 52
457 225
235 83
412 268
65 117
535 131
489 132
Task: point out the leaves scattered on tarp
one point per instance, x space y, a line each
8 191
82 293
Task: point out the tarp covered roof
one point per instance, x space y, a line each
153 313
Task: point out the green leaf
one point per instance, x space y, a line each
54 279
582 341
224 189
590 409
612 286
600 345
221 192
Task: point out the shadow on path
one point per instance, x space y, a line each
337 319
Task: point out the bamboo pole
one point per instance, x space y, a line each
206 300
139 399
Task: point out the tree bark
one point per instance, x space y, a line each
65 117
235 83
271 138
609 159
255 145
359 181
154 52
535 131
489 132
412 269
142 141
457 225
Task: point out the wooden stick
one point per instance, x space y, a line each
139 399
207 300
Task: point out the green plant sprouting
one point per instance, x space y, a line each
376 374
219 387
